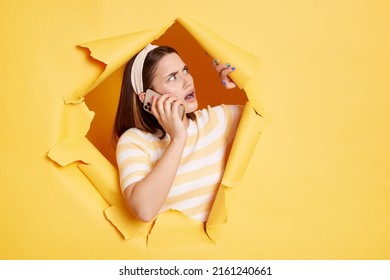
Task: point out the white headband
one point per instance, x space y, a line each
138 66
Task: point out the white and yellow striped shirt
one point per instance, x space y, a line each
202 164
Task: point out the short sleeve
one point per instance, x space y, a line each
231 117
133 157
236 113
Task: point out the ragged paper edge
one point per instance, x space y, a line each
104 177
111 53
115 52
74 146
247 135
217 47
248 132
173 228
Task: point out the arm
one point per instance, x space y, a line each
147 196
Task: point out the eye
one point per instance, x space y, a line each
185 70
172 78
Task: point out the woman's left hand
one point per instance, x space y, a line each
224 69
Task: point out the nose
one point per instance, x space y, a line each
187 80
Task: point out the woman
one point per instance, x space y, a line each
166 162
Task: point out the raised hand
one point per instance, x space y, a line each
223 70
165 109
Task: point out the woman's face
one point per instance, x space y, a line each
172 77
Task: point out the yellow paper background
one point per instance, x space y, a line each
316 186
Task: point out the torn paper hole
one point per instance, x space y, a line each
115 52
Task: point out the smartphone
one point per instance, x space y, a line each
148 102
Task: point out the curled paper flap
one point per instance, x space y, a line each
104 177
72 150
217 47
127 225
114 52
174 228
218 214
76 122
247 135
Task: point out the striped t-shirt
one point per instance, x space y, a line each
202 164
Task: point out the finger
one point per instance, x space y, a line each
222 66
229 84
226 81
226 71
168 105
215 62
154 110
175 109
160 105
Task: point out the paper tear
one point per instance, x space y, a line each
104 177
218 215
247 135
127 225
115 52
75 147
218 47
73 150
153 223
173 228
76 120
78 95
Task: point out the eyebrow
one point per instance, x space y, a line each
174 73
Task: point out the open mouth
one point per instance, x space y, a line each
190 96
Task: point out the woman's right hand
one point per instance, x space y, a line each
165 109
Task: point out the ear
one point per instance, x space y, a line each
141 96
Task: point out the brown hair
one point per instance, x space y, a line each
130 112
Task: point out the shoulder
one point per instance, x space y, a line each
136 143
135 138
135 134
219 112
130 135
